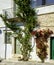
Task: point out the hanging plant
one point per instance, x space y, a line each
41 42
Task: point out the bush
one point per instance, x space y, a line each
41 42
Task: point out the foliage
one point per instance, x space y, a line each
41 42
28 17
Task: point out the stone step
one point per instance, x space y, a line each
24 63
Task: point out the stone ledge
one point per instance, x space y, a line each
25 63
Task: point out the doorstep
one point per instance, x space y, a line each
8 62
51 61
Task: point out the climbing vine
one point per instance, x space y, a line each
25 14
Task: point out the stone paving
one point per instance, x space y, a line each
24 63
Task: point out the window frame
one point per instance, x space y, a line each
8 38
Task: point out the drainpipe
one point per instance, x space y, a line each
5 42
14 9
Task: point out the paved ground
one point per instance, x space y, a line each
23 63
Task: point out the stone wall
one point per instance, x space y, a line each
46 20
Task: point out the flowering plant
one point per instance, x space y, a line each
41 42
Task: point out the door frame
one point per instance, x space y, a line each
14 55
15 39
51 47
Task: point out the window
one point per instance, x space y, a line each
8 37
0 31
49 2
43 2
39 2
33 3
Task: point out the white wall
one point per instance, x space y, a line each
33 53
8 4
2 46
45 9
4 4
9 51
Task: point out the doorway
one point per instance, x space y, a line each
52 48
16 46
